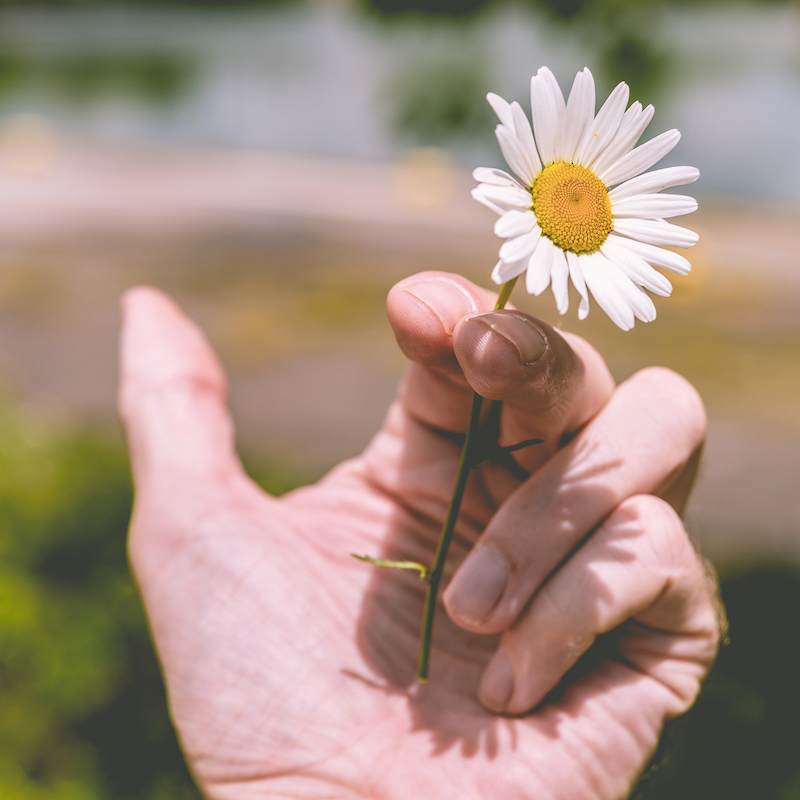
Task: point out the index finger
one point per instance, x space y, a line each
551 384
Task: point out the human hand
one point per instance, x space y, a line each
290 666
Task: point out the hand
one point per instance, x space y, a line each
290 665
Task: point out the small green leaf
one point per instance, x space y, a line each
423 571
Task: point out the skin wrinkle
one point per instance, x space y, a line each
680 697
284 795
425 520
666 550
601 773
642 731
199 513
374 481
589 780
200 525
172 386
665 659
698 634
310 770
648 745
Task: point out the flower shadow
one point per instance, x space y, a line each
446 707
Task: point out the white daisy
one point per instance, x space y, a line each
560 216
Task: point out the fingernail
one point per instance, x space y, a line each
447 301
478 585
519 331
497 684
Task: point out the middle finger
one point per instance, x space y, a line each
639 443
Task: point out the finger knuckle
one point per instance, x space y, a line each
658 523
679 399
651 510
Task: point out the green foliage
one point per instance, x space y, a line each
156 77
84 714
435 102
81 78
440 102
631 57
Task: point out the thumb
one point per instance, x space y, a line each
172 399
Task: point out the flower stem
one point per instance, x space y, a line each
465 466
505 293
435 573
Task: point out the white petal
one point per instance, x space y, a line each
602 130
520 246
576 275
654 206
495 177
654 181
559 276
523 132
635 267
502 198
656 256
515 155
605 292
639 301
502 108
540 267
652 231
640 159
547 111
634 121
506 270
515 223
642 304
579 114
479 195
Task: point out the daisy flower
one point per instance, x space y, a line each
582 206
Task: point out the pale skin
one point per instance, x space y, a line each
290 666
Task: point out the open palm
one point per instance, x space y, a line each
578 620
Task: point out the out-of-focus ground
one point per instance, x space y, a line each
285 262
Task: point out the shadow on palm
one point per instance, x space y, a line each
447 704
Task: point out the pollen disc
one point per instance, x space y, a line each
572 207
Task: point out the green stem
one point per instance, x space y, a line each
465 466
505 293
435 574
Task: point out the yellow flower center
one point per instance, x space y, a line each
572 207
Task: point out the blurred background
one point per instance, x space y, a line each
276 167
